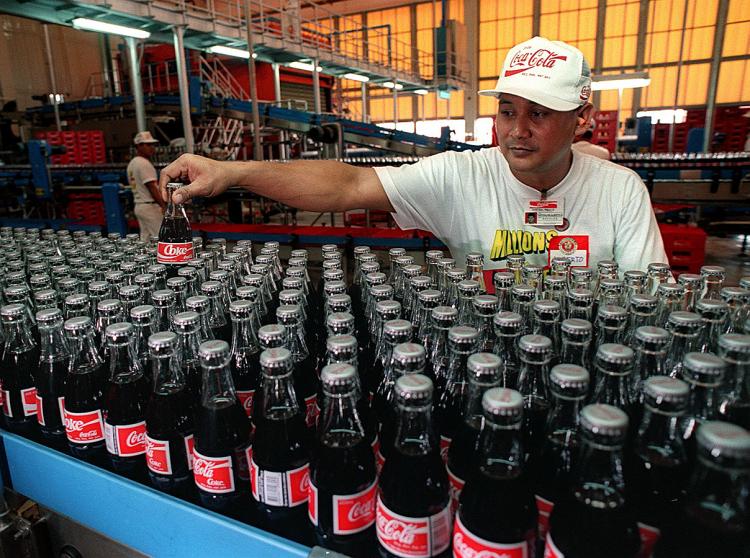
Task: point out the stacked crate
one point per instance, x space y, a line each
85 147
605 131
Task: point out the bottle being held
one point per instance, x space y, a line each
84 400
125 399
169 420
594 519
175 246
343 487
279 468
497 515
20 359
222 437
413 516
660 469
551 469
483 373
714 521
54 357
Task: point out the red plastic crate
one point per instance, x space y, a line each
87 209
685 247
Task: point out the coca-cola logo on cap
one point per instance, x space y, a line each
526 60
174 252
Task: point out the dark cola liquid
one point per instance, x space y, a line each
534 427
593 531
192 371
19 395
222 430
246 376
169 420
736 412
125 401
174 229
306 388
342 465
50 389
281 445
223 332
84 394
414 486
500 509
449 415
705 531
658 486
462 458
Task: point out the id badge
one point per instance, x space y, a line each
547 213
573 247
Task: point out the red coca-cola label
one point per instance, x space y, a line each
544 509
413 537
213 474
84 428
246 399
125 440
189 444
379 460
649 537
456 485
551 550
312 503
445 445
467 545
243 456
28 400
353 513
158 458
174 252
7 409
280 488
40 418
311 411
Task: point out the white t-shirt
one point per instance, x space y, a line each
472 202
591 149
140 171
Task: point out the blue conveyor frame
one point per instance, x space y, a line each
132 514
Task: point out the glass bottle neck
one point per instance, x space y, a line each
123 363
598 479
217 384
278 399
340 423
167 372
54 346
18 337
501 448
415 435
244 339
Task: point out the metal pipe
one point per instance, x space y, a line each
257 148
52 79
316 87
106 64
364 102
136 87
395 105
713 80
276 82
182 80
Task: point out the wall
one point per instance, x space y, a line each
23 63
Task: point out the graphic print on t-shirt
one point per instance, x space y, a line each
508 242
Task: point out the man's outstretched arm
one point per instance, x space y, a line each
308 185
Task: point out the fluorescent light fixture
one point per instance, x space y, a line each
104 27
229 51
303 66
356 77
633 80
391 85
420 92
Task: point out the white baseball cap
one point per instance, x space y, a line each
144 137
551 73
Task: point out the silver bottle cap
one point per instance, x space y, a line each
211 287
177 283
216 348
535 344
109 305
680 318
725 438
409 353
652 334
507 319
241 308
430 296
162 339
270 333
388 308
340 319
341 343
465 335
484 364
585 296
736 342
118 331
76 325
666 389
444 314
613 312
614 353
485 302
397 328
503 279
569 376
413 388
604 420
338 374
523 292
48 316
288 312
644 301
163 296
704 363
502 402
546 307
186 319
144 311
575 326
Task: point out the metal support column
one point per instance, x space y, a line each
713 79
182 80
601 15
536 16
257 148
52 78
471 99
106 65
365 113
395 105
316 87
276 82
677 81
136 87
640 51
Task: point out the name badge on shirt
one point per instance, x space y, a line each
548 213
573 247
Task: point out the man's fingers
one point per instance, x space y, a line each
197 188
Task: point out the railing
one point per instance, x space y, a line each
219 79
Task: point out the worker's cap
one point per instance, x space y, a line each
144 137
551 73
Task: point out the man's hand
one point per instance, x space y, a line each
204 177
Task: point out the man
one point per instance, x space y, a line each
149 205
586 147
582 207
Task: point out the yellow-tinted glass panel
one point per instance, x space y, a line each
737 39
734 82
